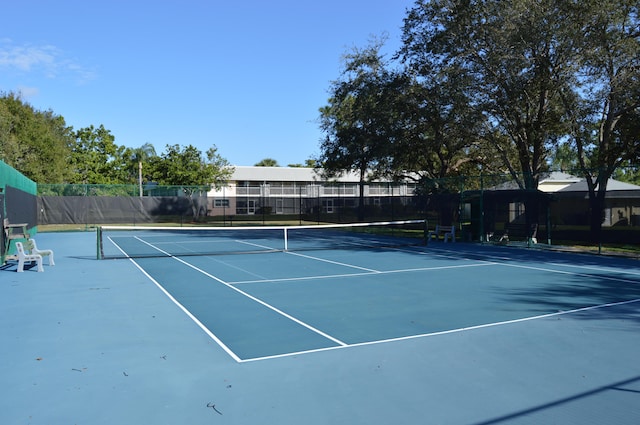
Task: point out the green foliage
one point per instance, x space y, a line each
604 105
308 163
267 162
42 147
358 120
628 173
439 135
34 142
95 158
564 158
493 86
87 190
187 166
511 59
134 159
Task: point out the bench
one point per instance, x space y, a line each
519 230
447 232
12 232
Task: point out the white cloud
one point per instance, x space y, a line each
28 92
46 60
27 58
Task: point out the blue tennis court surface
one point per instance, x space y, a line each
442 334
282 303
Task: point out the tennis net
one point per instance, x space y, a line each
139 242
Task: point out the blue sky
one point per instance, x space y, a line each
246 76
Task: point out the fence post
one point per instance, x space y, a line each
481 227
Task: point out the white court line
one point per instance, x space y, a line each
333 276
231 266
222 262
186 241
343 345
268 248
508 262
153 246
259 301
181 307
520 266
170 255
251 297
333 262
371 270
451 331
600 269
188 313
451 255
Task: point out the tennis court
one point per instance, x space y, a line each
372 332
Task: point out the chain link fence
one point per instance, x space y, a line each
487 208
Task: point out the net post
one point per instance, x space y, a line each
99 252
425 232
286 240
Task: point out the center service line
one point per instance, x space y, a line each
251 297
269 306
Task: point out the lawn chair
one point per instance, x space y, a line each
24 257
32 248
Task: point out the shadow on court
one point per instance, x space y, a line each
551 412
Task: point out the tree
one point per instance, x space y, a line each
439 130
308 163
135 159
516 58
95 158
564 158
605 102
629 173
36 143
439 136
267 162
358 121
186 167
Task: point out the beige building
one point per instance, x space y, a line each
287 190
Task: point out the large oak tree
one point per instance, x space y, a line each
359 122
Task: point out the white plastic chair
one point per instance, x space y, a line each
32 248
24 257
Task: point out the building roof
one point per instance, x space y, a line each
566 184
556 181
247 173
612 186
563 183
287 174
560 176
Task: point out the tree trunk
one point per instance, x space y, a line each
361 195
596 212
532 214
531 202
